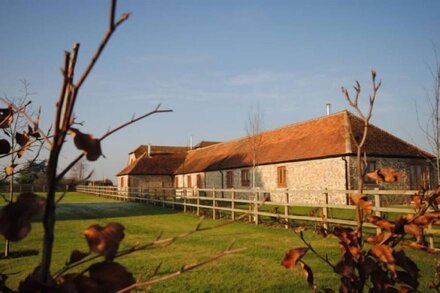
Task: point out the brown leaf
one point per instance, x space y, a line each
309 276
416 198
293 256
15 217
9 170
406 263
6 117
388 175
75 282
87 143
111 276
384 254
382 238
381 223
76 256
416 245
105 240
407 279
21 139
426 219
5 147
345 267
413 229
361 201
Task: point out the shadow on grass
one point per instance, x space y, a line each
20 253
84 211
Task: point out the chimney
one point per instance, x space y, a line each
190 142
329 108
149 151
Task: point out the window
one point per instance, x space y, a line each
199 181
176 181
281 176
229 179
372 166
188 181
245 177
419 175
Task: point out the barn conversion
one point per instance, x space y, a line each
311 155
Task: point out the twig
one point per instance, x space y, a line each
158 242
184 269
324 259
110 132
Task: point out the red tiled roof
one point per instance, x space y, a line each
161 164
322 137
327 136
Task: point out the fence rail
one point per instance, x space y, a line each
222 203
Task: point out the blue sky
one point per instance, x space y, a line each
213 61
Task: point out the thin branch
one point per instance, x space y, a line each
324 259
111 29
150 245
110 132
184 269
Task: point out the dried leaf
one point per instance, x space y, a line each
76 283
15 218
426 219
9 170
293 256
345 267
388 175
381 223
416 245
309 276
111 276
416 198
406 263
413 229
105 240
384 254
382 238
21 139
407 279
5 147
361 201
87 143
6 117
76 256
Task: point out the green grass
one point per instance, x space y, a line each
256 269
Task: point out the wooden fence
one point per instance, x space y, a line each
231 203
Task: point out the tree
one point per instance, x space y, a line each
33 174
15 217
432 127
79 171
19 139
253 128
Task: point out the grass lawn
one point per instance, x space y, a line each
257 269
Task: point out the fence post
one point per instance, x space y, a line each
198 202
184 200
213 204
286 209
174 195
325 209
256 207
163 197
431 237
233 204
377 207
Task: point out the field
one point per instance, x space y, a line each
256 269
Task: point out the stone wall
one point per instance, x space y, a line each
305 175
145 181
402 164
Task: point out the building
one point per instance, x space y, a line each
312 155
